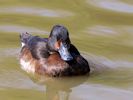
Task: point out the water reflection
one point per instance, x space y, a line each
84 87
59 88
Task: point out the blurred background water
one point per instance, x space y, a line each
102 30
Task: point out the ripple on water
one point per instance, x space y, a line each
126 29
102 30
19 29
114 30
17 80
100 64
114 5
10 52
37 11
94 91
10 75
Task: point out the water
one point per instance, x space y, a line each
101 30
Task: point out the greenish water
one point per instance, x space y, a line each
101 30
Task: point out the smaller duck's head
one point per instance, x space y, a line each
59 41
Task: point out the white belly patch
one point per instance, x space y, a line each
27 66
22 44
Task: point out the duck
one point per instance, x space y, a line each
54 56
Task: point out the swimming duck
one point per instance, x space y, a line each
53 56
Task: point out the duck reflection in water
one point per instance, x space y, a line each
59 88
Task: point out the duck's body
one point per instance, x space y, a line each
39 56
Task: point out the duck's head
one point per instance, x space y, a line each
59 41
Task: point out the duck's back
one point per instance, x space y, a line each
36 45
